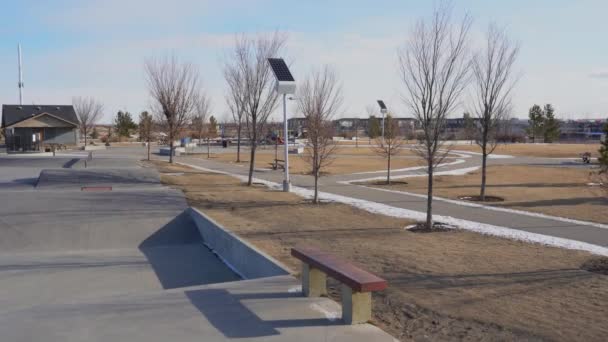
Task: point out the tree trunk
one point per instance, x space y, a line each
484 158
315 200
388 170
148 147
429 200
251 162
238 144
208 147
171 149
85 138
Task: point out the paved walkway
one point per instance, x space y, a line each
130 265
579 231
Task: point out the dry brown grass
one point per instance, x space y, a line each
360 161
549 190
442 286
538 150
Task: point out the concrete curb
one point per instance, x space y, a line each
244 259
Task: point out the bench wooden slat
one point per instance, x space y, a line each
339 269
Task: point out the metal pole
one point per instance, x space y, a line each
286 185
20 76
382 127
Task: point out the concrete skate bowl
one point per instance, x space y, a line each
97 178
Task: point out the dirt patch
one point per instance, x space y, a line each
438 227
538 150
596 265
553 191
449 286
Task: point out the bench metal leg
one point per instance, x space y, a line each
356 306
314 281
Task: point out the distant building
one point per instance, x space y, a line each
36 127
577 130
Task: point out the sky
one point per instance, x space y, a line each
98 48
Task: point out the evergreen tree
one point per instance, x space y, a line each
551 129
373 130
603 159
212 130
535 122
124 124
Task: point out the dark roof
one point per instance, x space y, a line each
11 114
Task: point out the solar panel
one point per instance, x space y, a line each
280 69
381 104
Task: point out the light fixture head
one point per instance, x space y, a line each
285 83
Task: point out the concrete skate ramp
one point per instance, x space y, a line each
116 178
51 221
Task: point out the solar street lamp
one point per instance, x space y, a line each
383 110
285 84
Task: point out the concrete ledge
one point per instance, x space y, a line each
245 259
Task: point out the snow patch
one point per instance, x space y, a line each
488 207
456 172
483 228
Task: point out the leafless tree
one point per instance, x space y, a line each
235 100
174 87
199 119
492 68
391 145
434 69
319 99
249 60
145 126
88 111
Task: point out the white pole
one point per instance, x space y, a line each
20 76
286 185
383 127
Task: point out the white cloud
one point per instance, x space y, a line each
603 74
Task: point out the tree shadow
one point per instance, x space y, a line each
559 201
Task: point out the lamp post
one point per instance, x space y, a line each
285 84
383 110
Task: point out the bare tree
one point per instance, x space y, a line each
434 69
492 68
391 145
174 87
201 112
249 59
319 99
235 100
88 111
145 128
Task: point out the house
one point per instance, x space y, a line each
38 127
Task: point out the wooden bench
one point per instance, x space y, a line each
277 164
357 284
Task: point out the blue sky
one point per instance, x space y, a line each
97 48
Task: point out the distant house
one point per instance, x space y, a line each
37 127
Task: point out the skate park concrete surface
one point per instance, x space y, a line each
131 265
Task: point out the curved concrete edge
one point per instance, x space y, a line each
245 259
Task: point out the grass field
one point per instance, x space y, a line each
453 285
538 150
555 191
345 161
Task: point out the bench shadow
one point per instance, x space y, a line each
226 312
179 258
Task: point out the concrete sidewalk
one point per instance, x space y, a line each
546 226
